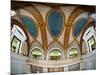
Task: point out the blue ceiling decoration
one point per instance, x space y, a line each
31 25
55 23
79 25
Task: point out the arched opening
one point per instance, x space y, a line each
36 54
89 37
73 53
55 54
19 36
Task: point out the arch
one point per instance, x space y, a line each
55 52
41 23
75 13
19 30
74 45
37 53
55 44
90 24
15 22
36 45
55 22
35 13
89 37
73 52
79 10
30 25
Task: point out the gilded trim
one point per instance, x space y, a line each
41 23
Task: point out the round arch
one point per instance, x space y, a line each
73 52
85 29
15 22
74 14
78 11
55 52
37 15
36 45
36 53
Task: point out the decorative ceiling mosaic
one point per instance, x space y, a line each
31 25
55 23
79 25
